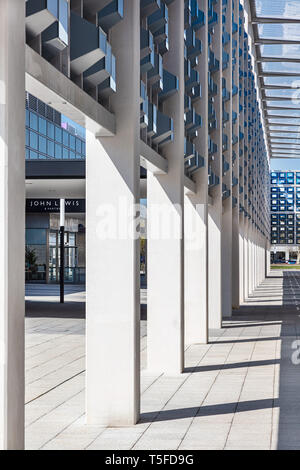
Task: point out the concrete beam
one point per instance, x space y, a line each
152 161
259 41
190 186
281 20
51 86
278 59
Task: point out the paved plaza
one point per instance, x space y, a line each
241 391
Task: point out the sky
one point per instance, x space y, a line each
285 164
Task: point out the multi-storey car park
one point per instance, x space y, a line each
167 85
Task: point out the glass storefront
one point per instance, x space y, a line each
43 249
73 272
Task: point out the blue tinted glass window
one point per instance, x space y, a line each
50 130
42 126
72 154
65 153
66 138
42 144
42 157
72 142
50 146
33 155
33 140
78 145
83 148
58 134
78 157
27 118
58 151
27 154
33 121
27 137
36 236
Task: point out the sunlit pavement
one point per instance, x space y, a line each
241 391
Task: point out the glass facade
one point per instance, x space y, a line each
42 259
51 136
47 137
285 208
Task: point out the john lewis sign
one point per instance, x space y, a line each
73 206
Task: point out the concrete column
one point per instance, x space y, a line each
12 222
250 257
256 265
267 260
228 128
237 262
252 262
165 248
196 282
287 254
251 265
254 258
257 260
112 244
227 261
263 260
214 269
236 171
195 217
241 260
246 260
215 209
258 256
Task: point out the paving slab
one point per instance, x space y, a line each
240 391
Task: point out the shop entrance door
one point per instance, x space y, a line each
71 257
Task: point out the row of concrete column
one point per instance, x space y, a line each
190 285
191 266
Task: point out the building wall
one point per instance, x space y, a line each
285 208
47 137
